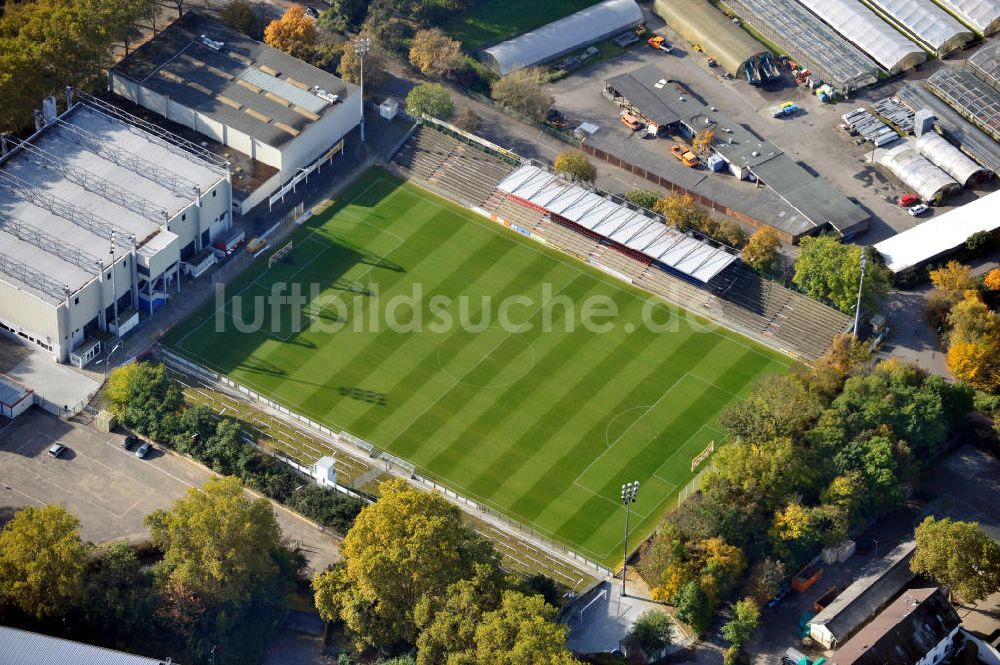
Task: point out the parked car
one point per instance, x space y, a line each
128 442
906 200
57 449
143 450
918 209
685 156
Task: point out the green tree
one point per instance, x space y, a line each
740 629
407 545
761 252
240 15
575 164
827 269
42 561
652 631
115 590
643 198
144 399
521 630
694 608
430 99
435 54
521 91
351 13
959 555
217 544
779 406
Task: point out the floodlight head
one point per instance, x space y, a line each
629 491
363 46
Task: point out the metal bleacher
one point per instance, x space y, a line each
737 297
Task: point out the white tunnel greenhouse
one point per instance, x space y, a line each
917 172
982 15
871 34
925 22
573 33
950 159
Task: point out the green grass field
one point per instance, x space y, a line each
543 424
490 21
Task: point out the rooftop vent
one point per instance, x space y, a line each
211 43
323 94
682 98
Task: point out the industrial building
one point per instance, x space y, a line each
810 41
985 63
566 35
950 159
99 217
860 25
925 23
702 24
974 99
914 248
982 15
20 647
646 93
917 172
243 94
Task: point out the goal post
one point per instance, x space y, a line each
280 255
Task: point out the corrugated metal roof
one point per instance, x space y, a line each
701 23
631 228
19 647
284 89
917 172
871 34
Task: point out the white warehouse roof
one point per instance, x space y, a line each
917 172
950 159
940 234
867 31
625 226
930 24
982 15
564 36
19 647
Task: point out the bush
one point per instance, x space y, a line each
522 92
468 120
642 198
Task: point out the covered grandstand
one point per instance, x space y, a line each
566 35
916 247
701 23
970 96
867 31
925 22
950 159
917 172
983 16
631 231
986 63
810 42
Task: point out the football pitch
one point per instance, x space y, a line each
511 373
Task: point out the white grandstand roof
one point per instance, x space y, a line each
84 176
940 234
565 35
982 15
633 229
916 172
19 647
868 32
927 22
948 158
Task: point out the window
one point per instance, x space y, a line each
108 276
76 300
184 216
214 192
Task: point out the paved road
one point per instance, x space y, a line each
108 488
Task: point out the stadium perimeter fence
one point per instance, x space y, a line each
354 445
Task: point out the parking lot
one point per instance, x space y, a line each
810 137
108 488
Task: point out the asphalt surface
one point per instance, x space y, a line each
108 488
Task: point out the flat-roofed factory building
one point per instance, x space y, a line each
99 215
244 94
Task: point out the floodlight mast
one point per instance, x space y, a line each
629 491
861 284
362 47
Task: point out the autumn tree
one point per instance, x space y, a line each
959 555
42 561
407 545
703 140
522 91
778 406
765 579
435 54
575 164
761 252
992 280
217 543
846 355
144 398
430 99
375 64
740 629
681 210
953 278
294 33
827 269
240 15
974 343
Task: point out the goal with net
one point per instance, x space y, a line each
281 255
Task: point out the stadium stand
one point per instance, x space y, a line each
736 297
